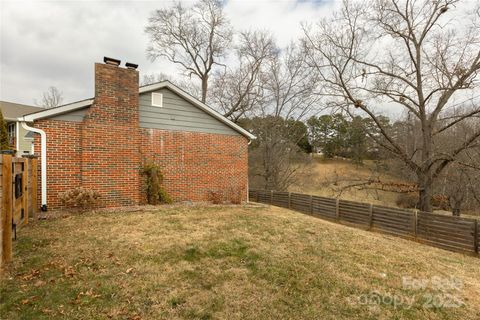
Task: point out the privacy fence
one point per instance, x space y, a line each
448 232
18 199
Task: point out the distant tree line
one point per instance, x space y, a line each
339 136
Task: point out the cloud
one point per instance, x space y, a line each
45 43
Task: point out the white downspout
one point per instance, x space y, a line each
43 144
17 140
248 181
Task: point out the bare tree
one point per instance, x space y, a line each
291 85
51 98
276 159
195 38
188 86
459 181
148 79
414 54
239 89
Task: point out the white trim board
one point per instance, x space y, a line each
56 111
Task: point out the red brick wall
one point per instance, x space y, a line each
64 157
195 163
106 151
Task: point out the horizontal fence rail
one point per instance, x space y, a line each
447 232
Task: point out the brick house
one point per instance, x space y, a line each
102 143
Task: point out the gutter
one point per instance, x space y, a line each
17 139
43 144
248 181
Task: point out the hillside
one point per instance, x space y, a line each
329 178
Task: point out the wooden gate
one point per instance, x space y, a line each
18 196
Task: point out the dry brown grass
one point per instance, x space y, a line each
222 262
329 178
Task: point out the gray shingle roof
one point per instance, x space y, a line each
11 111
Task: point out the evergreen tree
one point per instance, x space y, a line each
4 144
357 141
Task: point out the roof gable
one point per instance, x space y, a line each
11 111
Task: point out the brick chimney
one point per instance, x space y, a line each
111 136
116 94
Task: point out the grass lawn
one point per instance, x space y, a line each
229 263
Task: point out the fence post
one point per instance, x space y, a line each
476 240
370 212
26 191
337 209
33 187
415 223
289 200
7 209
311 204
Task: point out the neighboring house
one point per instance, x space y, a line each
20 139
102 143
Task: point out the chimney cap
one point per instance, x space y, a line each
111 61
131 65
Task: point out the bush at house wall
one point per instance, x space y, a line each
81 199
156 194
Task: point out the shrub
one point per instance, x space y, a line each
234 195
216 197
156 194
81 199
4 144
441 201
407 200
231 195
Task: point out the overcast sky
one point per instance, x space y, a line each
55 43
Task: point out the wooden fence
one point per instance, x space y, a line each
448 232
18 198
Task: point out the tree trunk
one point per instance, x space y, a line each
456 204
204 88
456 212
425 174
425 192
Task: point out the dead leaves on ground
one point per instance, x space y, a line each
39 283
85 294
34 273
122 313
29 300
69 272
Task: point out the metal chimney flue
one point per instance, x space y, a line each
111 61
130 65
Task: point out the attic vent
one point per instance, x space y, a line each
157 99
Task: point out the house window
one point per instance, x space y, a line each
157 99
11 133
